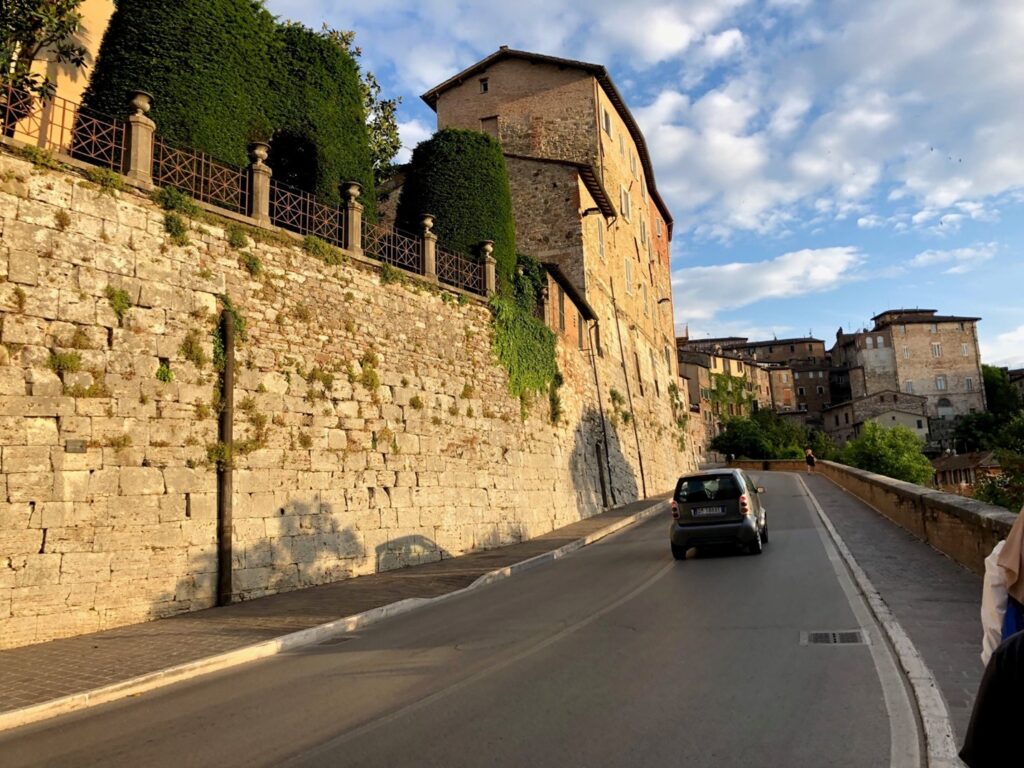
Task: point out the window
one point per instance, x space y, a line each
629 275
837 419
936 349
934 328
625 204
646 306
632 162
964 351
561 309
600 239
657 226
920 424
489 125
643 192
903 329
940 382
801 391
846 418
785 378
821 390
639 378
579 330
643 231
906 353
485 85
622 145
880 341
606 121
969 383
909 387
962 327
597 340
869 343
792 348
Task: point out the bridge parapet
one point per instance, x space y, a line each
961 528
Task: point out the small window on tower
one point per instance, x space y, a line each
485 85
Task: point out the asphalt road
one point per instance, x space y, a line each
614 656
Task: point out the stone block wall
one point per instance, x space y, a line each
374 426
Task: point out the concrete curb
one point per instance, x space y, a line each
182 672
940 743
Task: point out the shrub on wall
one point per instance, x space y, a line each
461 178
894 452
204 63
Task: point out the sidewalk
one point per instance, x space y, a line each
45 673
937 601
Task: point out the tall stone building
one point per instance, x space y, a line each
586 205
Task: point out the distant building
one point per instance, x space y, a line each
1017 379
890 408
961 473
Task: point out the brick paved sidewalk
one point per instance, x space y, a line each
40 673
936 600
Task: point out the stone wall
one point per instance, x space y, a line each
961 528
375 429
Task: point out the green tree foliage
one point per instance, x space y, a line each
461 178
37 31
206 62
895 452
1006 490
1000 395
765 435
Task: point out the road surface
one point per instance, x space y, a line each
614 656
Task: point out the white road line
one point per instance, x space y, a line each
940 743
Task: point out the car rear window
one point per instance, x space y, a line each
723 487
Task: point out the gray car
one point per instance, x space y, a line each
719 506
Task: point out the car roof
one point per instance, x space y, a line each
711 473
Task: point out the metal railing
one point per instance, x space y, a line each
394 247
61 126
458 270
298 211
198 174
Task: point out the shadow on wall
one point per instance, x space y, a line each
594 485
408 550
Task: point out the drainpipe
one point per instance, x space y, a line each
224 467
629 393
600 408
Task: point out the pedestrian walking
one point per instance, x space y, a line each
809 458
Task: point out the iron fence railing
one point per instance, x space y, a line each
393 247
298 211
61 126
460 271
198 174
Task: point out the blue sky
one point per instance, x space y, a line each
823 161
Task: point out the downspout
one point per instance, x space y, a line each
225 484
629 393
600 409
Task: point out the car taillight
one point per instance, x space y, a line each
744 506
675 509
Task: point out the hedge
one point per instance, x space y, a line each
224 72
461 178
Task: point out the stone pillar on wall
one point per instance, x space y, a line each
353 217
259 183
429 247
490 272
139 166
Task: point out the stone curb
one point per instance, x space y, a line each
182 672
940 743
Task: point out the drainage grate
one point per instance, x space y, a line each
842 637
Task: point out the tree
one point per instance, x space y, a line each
765 435
895 453
38 30
1007 489
1000 395
381 114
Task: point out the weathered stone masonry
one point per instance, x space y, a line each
382 427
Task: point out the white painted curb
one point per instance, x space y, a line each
940 743
144 683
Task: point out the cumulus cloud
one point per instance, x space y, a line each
703 292
412 132
1005 349
957 261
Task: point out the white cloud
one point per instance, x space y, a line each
724 44
957 261
871 221
412 132
1005 349
703 292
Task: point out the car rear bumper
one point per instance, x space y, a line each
691 534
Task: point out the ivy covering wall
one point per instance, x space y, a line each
461 178
224 73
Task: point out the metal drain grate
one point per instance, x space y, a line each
841 637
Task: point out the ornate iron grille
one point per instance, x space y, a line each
201 176
460 271
393 247
298 211
63 127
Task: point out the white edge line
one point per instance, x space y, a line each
164 677
940 743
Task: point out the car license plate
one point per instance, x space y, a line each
708 511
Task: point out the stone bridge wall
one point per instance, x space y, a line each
964 529
380 426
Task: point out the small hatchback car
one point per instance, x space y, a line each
718 506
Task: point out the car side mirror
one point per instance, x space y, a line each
760 489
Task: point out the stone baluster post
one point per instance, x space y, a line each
490 273
429 247
259 183
140 141
353 217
